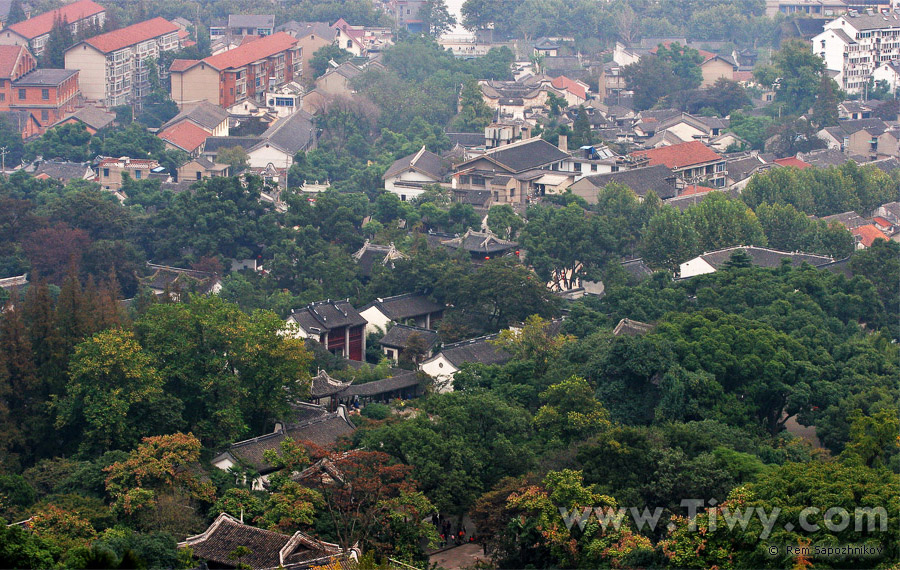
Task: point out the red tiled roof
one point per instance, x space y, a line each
130 35
570 85
743 76
253 51
679 155
692 189
792 161
182 64
868 234
9 55
43 23
879 221
185 135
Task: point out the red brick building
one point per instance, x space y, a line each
48 94
243 73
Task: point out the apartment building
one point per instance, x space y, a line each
34 32
114 66
855 44
244 73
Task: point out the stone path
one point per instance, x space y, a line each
458 557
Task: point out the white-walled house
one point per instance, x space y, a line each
854 45
414 309
444 365
408 176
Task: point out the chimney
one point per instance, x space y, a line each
563 143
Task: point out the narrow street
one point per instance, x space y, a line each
458 557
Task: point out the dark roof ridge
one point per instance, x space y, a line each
469 341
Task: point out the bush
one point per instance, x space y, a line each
376 411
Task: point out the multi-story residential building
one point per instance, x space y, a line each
406 14
110 170
806 7
250 24
311 37
243 73
115 66
691 162
48 94
35 31
855 44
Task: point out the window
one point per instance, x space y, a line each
199 175
21 94
105 173
478 181
2 96
45 115
577 167
137 174
349 43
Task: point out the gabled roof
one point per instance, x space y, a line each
474 350
479 242
63 171
302 29
867 234
185 135
680 155
322 431
130 35
183 64
326 315
292 134
267 549
467 140
849 220
792 161
94 117
522 155
43 23
570 85
9 57
20 119
406 306
254 51
876 21
204 114
251 21
346 70
399 335
657 178
424 162
629 327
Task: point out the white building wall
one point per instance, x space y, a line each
377 321
694 267
442 370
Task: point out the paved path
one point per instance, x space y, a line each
458 557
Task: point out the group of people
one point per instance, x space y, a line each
447 534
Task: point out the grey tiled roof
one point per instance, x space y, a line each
399 335
303 29
480 242
400 381
629 327
63 171
641 180
204 114
764 257
849 220
322 431
408 305
520 157
93 117
324 385
327 315
423 161
475 350
468 140
292 134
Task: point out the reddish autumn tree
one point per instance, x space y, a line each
376 504
51 250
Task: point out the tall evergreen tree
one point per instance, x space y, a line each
60 40
16 13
